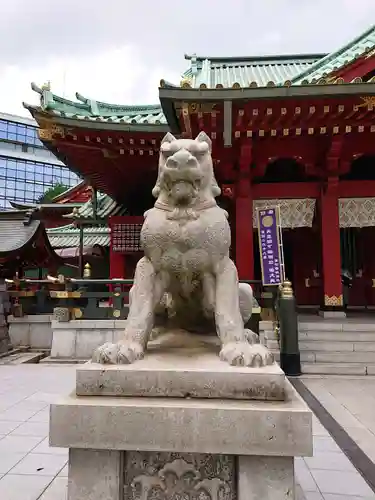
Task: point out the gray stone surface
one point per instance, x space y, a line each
195 372
173 476
262 478
77 339
31 330
184 425
186 278
95 475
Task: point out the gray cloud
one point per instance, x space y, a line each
36 32
162 30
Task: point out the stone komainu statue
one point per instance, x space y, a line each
186 279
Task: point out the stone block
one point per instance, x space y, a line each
63 341
261 478
31 330
88 340
282 428
181 373
95 475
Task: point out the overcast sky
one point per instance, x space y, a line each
118 50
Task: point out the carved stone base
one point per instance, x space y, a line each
185 476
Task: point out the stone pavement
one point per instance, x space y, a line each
31 470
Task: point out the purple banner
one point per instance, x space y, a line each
270 246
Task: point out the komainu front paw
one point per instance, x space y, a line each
251 337
116 354
245 354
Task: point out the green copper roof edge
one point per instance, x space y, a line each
333 55
266 58
103 109
121 107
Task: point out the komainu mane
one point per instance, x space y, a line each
186 279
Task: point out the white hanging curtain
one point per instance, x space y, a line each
357 212
297 212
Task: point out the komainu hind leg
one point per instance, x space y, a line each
146 292
236 349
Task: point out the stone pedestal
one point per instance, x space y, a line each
181 424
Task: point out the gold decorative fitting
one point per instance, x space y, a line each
297 110
333 300
255 112
358 79
141 152
310 131
202 86
45 134
372 128
322 81
261 133
87 138
283 111
236 85
336 130
116 313
367 101
109 139
307 282
241 112
323 130
131 151
213 135
77 313
287 289
340 81
237 134
185 83
288 83
361 128
273 132
87 271
142 141
341 108
373 283
253 85
312 110
249 133
271 84
219 86
285 131
298 131
122 151
150 152
269 111
326 109
348 129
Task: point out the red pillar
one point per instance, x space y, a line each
244 217
116 265
331 253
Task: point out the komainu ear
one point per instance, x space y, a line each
168 138
203 137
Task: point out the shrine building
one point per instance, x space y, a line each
296 131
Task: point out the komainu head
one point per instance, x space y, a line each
185 174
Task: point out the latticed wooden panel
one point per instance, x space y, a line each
126 238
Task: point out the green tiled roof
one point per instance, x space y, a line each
68 236
88 109
346 54
217 71
106 207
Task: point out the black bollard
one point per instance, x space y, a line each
290 360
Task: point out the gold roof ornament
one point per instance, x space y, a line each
47 86
186 83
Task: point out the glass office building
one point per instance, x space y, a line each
27 169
